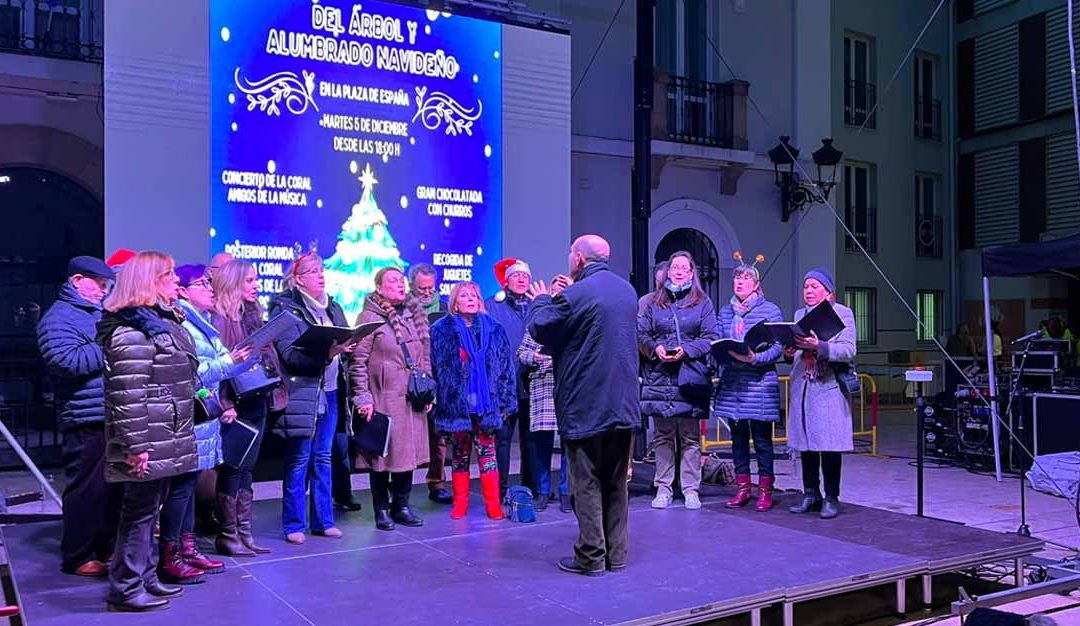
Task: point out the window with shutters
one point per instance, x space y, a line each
863 304
985 6
930 310
1062 188
997 78
860 92
997 196
860 206
1058 90
927 104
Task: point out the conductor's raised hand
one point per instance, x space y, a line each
537 289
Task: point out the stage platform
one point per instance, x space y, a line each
685 567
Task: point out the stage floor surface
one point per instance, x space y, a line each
684 566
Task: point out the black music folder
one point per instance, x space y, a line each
318 339
236 447
821 319
372 438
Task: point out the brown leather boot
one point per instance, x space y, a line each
228 541
172 568
193 557
244 501
742 496
764 500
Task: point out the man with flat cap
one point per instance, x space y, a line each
75 363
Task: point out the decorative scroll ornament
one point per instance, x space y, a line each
283 87
438 108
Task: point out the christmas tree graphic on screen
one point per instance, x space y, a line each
364 247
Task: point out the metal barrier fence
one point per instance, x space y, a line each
863 427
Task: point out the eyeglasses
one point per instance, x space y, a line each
202 282
168 274
424 289
312 272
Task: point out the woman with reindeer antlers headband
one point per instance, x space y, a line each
748 395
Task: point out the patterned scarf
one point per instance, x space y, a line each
814 368
741 308
479 396
382 306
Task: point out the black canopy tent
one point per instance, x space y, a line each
1057 256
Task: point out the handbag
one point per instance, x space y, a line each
847 378
421 388
207 406
253 382
694 380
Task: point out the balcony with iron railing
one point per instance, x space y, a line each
698 112
862 221
65 29
860 98
928 236
928 118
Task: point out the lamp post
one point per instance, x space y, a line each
795 193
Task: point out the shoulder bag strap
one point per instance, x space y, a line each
408 358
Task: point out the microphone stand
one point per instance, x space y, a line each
1014 389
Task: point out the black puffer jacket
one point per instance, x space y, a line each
303 372
150 370
695 332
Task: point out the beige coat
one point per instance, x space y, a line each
378 376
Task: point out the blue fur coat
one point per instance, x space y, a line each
451 410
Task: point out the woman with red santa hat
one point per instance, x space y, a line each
509 308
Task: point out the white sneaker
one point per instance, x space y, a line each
693 502
662 500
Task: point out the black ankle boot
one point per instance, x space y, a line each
830 508
383 521
403 515
811 501
157 588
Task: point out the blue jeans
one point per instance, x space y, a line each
310 459
543 443
564 481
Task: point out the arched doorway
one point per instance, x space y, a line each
703 251
49 218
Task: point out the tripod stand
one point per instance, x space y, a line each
1014 389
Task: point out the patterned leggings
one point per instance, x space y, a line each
461 445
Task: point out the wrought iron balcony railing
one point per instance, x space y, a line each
698 112
863 222
928 236
67 29
928 118
859 100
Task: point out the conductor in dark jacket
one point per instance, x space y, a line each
589 328
74 361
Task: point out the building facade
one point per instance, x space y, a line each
1017 160
731 78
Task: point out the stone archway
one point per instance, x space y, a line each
700 216
56 151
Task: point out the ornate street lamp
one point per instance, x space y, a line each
794 193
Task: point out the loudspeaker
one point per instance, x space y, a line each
991 617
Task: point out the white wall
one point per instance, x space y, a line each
157 184
536 145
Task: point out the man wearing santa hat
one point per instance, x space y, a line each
509 307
